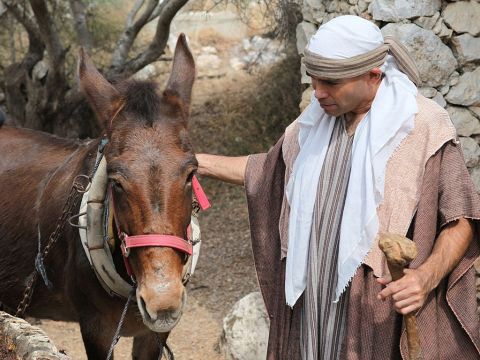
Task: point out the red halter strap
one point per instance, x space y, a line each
170 241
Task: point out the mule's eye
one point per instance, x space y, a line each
116 185
190 177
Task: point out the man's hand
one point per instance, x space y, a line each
408 293
225 168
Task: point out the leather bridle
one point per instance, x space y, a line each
175 242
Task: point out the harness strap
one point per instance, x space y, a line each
158 240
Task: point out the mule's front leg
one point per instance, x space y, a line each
97 337
147 347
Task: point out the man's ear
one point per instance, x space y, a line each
375 74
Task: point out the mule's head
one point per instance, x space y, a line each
150 164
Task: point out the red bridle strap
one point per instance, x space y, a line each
171 241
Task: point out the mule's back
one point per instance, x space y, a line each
27 162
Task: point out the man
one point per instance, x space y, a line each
369 155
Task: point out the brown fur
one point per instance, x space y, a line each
150 159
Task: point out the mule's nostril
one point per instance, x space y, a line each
146 313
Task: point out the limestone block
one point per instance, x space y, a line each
467 91
396 10
428 92
444 89
475 174
466 47
439 99
427 22
434 59
453 80
245 330
313 10
471 151
475 110
463 16
441 30
304 31
464 121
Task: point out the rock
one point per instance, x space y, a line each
237 64
209 65
40 70
441 30
475 110
464 121
208 50
245 330
463 16
428 92
475 174
146 73
427 22
396 10
362 6
467 48
471 151
453 80
439 99
435 60
444 89
313 11
304 31
476 264
467 91
306 98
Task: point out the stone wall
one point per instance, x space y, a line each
443 38
20 340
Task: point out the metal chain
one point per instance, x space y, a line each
72 200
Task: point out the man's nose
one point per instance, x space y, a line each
320 93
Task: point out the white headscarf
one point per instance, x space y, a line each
388 122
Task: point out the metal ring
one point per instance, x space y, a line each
76 217
78 184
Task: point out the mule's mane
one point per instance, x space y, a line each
141 98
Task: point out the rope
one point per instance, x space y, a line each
116 337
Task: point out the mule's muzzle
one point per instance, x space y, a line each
161 313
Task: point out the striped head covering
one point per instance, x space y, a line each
345 47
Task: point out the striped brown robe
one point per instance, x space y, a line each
448 323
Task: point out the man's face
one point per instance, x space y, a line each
338 97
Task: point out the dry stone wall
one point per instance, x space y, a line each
20 340
443 38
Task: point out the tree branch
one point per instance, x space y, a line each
80 22
130 34
21 15
48 32
157 46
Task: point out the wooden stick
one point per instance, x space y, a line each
400 251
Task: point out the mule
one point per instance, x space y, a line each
150 164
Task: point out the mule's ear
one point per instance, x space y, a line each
103 98
183 71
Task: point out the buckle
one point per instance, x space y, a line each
123 245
